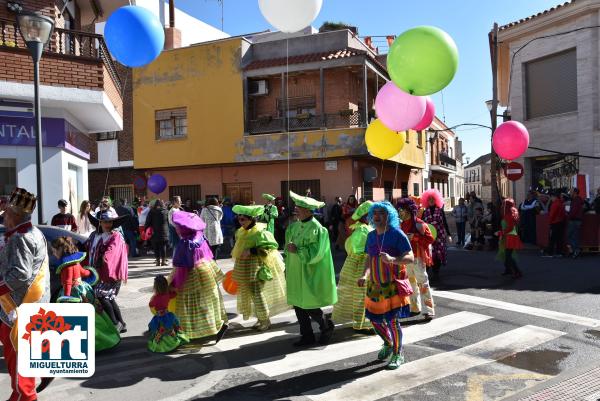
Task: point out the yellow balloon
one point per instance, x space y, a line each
382 142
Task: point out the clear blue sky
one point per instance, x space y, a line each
467 21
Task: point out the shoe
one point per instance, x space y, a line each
264 326
413 314
305 341
43 384
327 333
121 327
429 316
384 352
395 361
222 332
157 262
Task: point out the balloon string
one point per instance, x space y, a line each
289 154
381 176
112 149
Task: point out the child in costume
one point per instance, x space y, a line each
509 238
77 285
165 330
351 298
195 277
388 251
420 238
258 268
270 213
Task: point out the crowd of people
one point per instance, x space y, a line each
392 251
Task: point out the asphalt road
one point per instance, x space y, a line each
492 338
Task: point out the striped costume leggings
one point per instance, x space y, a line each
391 333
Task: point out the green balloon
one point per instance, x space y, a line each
423 60
433 231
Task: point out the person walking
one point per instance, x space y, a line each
196 277
270 213
460 213
574 226
24 278
175 207
558 219
84 226
310 275
351 298
258 269
421 238
434 215
389 251
158 220
130 225
63 219
107 253
509 238
212 215
335 219
528 211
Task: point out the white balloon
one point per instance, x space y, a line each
290 15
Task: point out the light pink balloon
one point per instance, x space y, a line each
510 140
427 117
398 110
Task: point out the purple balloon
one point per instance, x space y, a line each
510 140
427 117
398 110
157 183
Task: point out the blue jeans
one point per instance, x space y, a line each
573 234
131 239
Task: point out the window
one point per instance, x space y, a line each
171 124
551 84
420 139
368 190
407 136
8 176
416 189
186 192
404 189
124 192
106 136
451 187
388 190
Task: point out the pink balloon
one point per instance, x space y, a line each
510 140
428 116
398 110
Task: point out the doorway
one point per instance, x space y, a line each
239 193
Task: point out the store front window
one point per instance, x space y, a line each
8 176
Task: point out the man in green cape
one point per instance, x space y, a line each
270 213
310 276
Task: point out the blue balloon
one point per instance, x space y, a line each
134 36
157 183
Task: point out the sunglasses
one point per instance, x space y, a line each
242 218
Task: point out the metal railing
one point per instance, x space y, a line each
64 42
265 125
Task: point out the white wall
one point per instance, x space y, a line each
54 174
108 156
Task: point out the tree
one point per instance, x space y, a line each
329 26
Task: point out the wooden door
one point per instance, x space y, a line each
240 193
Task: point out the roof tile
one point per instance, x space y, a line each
545 12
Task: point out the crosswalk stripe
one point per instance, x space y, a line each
386 383
528 310
305 359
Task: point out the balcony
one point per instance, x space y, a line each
77 74
445 164
307 122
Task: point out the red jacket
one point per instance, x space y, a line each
576 210
70 276
557 212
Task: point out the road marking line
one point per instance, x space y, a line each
528 310
385 383
279 365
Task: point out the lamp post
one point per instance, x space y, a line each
36 30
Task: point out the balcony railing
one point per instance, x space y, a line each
265 125
64 42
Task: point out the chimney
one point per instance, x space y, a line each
369 42
172 34
390 39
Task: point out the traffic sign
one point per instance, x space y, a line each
514 171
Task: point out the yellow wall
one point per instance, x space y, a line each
412 155
208 81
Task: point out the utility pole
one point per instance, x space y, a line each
495 161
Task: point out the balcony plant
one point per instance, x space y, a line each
8 43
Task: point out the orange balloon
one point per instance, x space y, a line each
229 284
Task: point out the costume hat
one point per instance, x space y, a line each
23 200
306 202
251 211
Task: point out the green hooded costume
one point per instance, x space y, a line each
309 272
269 214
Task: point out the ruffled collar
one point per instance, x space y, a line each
70 260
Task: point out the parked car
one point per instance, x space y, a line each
51 233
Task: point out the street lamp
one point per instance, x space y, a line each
36 30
